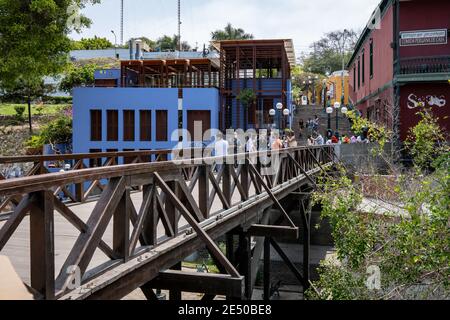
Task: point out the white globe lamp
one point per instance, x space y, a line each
329 110
279 106
272 112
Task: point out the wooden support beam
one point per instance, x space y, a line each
287 261
203 190
42 245
272 196
207 283
215 250
16 218
266 277
121 226
258 230
86 244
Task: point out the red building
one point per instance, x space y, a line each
401 63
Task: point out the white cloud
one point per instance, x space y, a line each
304 21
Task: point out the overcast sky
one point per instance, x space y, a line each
304 21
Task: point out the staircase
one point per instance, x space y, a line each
309 112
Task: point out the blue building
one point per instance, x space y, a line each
151 104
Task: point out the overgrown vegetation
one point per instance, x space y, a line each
400 247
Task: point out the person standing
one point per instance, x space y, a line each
292 142
221 147
277 144
319 141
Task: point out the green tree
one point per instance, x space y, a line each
34 41
326 54
168 43
95 43
404 232
246 97
78 76
230 33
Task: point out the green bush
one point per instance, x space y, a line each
34 142
20 110
58 131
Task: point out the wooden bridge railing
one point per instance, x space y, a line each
218 196
73 162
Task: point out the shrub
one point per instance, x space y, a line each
34 142
58 131
20 110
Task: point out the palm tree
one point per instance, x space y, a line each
230 33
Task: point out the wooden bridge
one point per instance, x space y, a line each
102 230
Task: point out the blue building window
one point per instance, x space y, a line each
96 125
112 119
146 125
128 125
161 125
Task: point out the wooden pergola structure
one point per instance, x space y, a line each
243 64
174 73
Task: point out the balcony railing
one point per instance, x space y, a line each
420 65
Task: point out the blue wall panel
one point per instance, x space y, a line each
86 99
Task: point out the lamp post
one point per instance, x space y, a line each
329 112
115 42
272 113
279 108
313 82
287 113
337 105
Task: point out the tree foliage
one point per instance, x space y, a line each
78 76
405 236
95 43
230 33
168 43
326 54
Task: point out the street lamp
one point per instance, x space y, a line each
287 113
272 113
329 112
279 108
337 105
115 42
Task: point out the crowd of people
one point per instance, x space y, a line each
271 140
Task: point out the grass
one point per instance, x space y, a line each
191 265
7 109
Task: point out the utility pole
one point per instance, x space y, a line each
121 23
179 25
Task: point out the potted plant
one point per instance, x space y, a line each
34 146
57 136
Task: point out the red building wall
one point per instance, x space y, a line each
382 61
424 15
411 94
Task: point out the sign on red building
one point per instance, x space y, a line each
423 37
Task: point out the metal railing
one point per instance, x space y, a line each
420 65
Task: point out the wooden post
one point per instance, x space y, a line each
306 220
203 190
42 252
172 213
121 226
226 178
266 269
175 295
245 180
245 263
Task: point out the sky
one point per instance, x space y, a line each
304 21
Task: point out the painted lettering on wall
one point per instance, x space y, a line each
415 102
